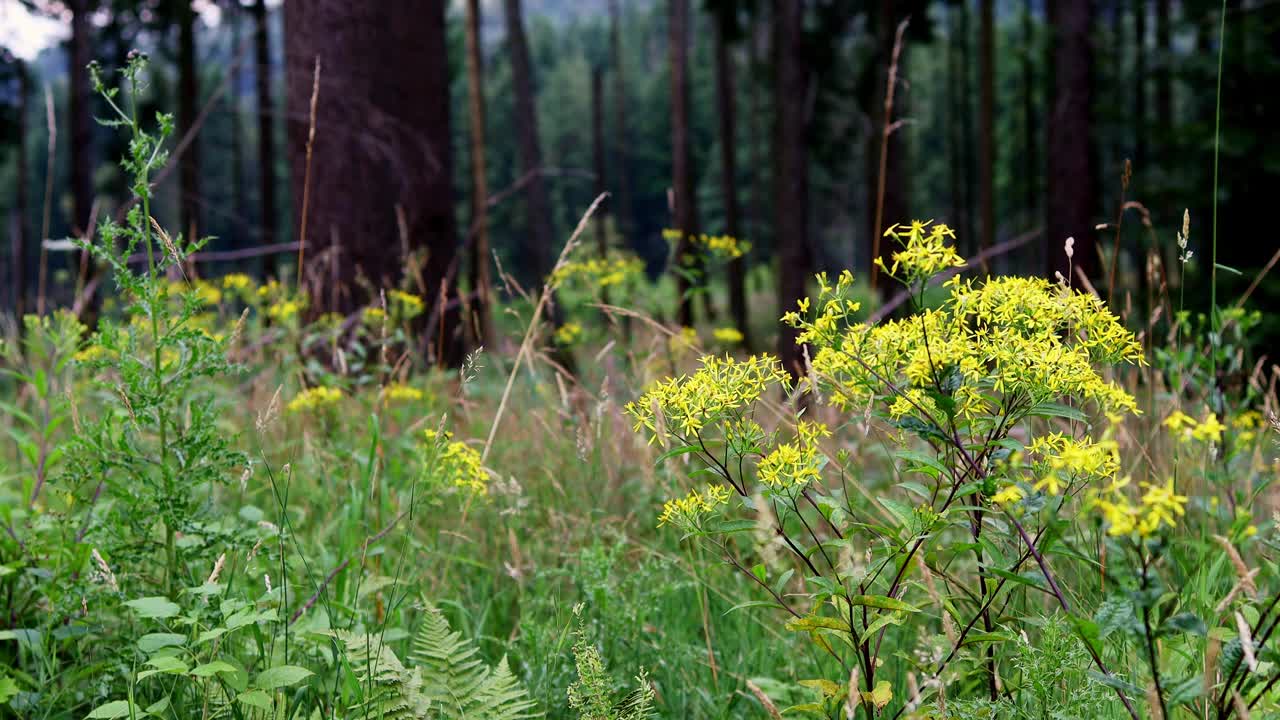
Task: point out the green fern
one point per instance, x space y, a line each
446 678
592 694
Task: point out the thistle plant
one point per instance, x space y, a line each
152 449
1004 427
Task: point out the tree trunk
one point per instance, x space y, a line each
537 206
969 235
237 121
1071 181
791 189
686 203
986 121
382 144
266 136
597 156
81 141
1164 76
188 99
18 248
726 103
892 207
1031 167
1140 84
625 213
480 277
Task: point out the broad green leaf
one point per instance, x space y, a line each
880 601
255 698
156 607
1058 410
152 642
281 676
115 709
211 668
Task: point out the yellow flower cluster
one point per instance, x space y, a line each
568 333
238 283
405 306
797 463
314 399
614 269
1060 460
400 392
728 335
1023 338
924 253
1160 505
1186 429
688 511
374 315
721 246
284 310
686 404
454 462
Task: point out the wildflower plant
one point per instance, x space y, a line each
992 398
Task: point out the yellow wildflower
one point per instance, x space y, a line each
795 463
688 511
405 306
400 392
314 399
1161 505
728 335
720 387
1210 430
455 463
568 333
237 282
1010 494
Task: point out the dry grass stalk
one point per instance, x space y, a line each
764 700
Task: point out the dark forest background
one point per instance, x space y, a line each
1018 123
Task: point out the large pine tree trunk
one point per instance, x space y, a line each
1140 85
382 144
1164 76
266 134
537 206
1070 175
682 173
726 103
188 99
791 157
480 276
986 128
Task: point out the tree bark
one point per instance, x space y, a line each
598 156
791 189
537 206
1031 151
625 214
481 284
81 141
1071 172
382 148
266 136
188 106
893 208
18 248
1164 75
682 172
726 103
233 102
986 121
1140 84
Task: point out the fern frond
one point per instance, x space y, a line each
391 691
502 697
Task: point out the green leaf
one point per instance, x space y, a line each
115 709
281 676
1186 622
168 664
885 603
901 511
211 668
156 607
152 642
255 698
760 572
1058 410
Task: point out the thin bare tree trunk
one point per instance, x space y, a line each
625 213
726 102
266 134
19 242
791 189
986 132
537 206
1030 153
1140 85
1164 76
598 156
686 207
1070 175
481 284
81 141
237 121
188 106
